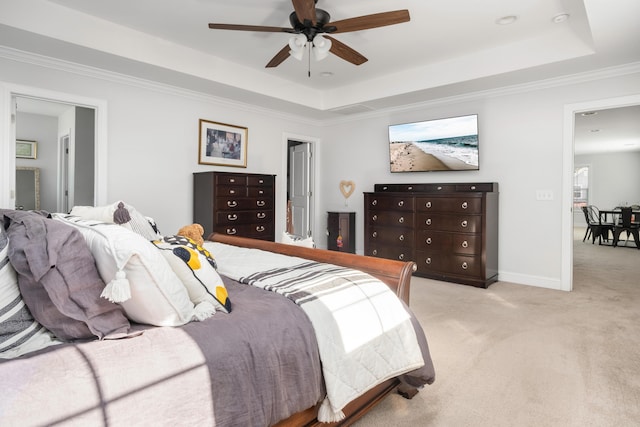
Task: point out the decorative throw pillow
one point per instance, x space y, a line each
20 333
58 279
122 214
290 239
137 275
196 267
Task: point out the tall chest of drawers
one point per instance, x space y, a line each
449 230
239 204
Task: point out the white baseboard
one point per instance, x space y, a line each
524 279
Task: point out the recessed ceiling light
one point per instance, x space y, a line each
594 130
506 20
589 113
560 18
326 74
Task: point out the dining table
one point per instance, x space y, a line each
615 214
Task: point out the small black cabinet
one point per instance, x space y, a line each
341 231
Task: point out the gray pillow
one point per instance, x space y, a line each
58 278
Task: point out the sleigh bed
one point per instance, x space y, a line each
258 365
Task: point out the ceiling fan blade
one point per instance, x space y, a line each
305 10
370 21
345 52
260 28
279 58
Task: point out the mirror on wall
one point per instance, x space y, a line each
27 188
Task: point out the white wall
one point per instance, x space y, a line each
153 134
613 178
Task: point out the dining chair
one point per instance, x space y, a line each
605 226
625 224
594 228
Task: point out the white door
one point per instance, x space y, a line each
299 189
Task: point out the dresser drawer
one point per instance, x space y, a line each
443 222
461 243
440 262
243 204
390 236
395 203
471 205
260 181
230 179
400 253
399 219
228 190
243 217
260 192
259 231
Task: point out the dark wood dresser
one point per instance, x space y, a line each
449 230
240 204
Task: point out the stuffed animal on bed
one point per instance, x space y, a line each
194 232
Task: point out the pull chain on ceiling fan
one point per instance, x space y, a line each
310 27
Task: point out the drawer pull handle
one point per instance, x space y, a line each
427 261
473 187
465 266
465 244
375 252
410 187
260 228
232 203
428 221
401 220
261 215
232 217
375 217
439 188
374 202
428 240
428 204
374 234
231 231
261 181
464 224
232 191
232 180
260 203
465 205
401 238
401 257
401 203
385 188
261 192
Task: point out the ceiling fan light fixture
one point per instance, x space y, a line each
297 44
321 47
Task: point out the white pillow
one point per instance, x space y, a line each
20 333
290 239
158 297
137 223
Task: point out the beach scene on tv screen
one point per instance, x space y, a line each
443 144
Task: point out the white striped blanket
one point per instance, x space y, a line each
364 333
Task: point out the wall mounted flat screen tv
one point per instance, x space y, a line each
449 144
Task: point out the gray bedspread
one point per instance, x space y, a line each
251 367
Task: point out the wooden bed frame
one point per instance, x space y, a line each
396 274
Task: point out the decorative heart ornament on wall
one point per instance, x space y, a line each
347 188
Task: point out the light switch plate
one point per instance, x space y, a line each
544 195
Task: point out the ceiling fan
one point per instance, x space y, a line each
308 23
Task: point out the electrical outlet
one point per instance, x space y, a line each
544 195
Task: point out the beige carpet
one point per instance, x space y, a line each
515 355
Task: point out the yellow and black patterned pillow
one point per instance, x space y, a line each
196 268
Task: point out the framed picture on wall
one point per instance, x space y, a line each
222 144
26 149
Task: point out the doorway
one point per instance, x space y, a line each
570 112
98 157
300 184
